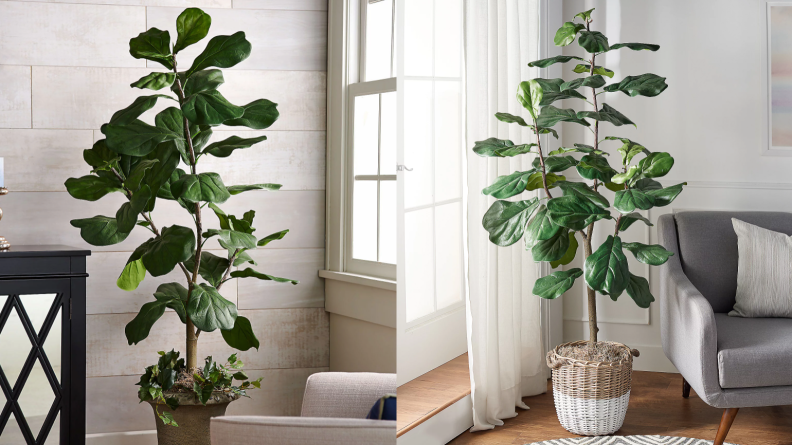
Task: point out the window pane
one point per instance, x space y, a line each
419 263
418 30
418 183
364 221
366 139
387 236
448 140
448 240
388 134
448 38
379 29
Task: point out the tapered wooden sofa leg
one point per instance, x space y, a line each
685 388
726 422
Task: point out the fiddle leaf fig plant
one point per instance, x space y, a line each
149 164
555 225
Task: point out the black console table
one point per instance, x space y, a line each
42 344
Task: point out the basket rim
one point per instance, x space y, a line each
589 363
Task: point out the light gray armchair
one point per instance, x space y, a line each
333 412
731 362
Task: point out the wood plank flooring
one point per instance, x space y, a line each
656 407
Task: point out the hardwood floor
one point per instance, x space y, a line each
656 407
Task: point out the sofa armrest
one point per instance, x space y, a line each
255 430
688 329
345 394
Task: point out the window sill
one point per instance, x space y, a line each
363 280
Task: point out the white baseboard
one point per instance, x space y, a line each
126 438
443 427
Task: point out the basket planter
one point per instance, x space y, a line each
192 417
591 398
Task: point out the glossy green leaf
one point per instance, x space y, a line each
585 68
614 187
606 269
99 230
540 228
202 138
638 290
237 189
138 329
174 295
595 81
501 148
250 273
566 33
232 239
585 15
137 138
511 119
126 217
575 212
530 94
133 274
646 185
570 253
203 187
583 191
544 63
135 177
209 311
211 269
505 220
553 93
594 166
651 254
155 81
140 105
656 165
607 114
241 336
551 115
636 46
554 285
91 187
99 156
259 114
243 257
554 164
666 196
621 178
578 148
543 130
508 185
175 245
192 25
210 108
224 148
269 238
222 52
627 201
206 80
168 159
593 42
154 45
551 249
649 85
628 220
535 181
629 149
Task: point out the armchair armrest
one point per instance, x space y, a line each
255 430
345 394
688 329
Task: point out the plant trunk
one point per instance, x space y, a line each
192 345
592 299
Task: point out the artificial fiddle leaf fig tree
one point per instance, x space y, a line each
553 226
150 163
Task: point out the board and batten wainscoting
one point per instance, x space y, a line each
64 69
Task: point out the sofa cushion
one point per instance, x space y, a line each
708 250
754 352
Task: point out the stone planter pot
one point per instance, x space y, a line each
591 398
192 418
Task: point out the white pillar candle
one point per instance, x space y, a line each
2 179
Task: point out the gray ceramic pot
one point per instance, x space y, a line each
192 418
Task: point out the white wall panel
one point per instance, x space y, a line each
174 3
296 264
28 153
15 96
307 5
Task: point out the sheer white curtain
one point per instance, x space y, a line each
504 335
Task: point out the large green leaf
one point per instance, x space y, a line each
628 220
154 45
210 108
511 119
192 25
666 196
232 239
638 290
138 329
209 311
155 81
201 81
651 254
126 217
273 237
175 245
174 295
607 114
553 248
649 85
636 46
99 156
551 115
629 149
168 159
535 181
583 191
570 253
91 187
575 212
555 164
529 94
259 114
585 15
627 201
552 91
133 274
222 52
500 148
212 267
505 221
646 185
622 178
203 187
202 138
99 230
585 68
135 177
595 81
137 138
555 284
606 269
594 166
508 185
656 165
224 148
578 148
134 110
544 63
593 42
250 273
540 228
237 189
567 32
241 336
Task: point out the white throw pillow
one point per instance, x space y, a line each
764 275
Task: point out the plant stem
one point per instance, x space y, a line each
591 294
541 160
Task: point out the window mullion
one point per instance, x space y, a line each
379 172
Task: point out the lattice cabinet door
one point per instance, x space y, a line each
42 351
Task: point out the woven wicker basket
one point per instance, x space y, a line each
591 397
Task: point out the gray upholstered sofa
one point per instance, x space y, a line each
731 362
333 412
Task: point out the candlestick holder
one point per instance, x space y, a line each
4 244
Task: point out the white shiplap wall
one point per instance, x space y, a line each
64 69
